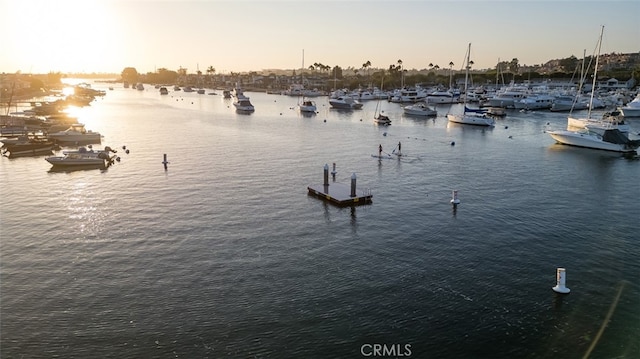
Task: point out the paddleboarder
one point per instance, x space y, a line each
380 150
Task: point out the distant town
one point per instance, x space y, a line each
623 69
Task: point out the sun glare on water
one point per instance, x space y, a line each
61 35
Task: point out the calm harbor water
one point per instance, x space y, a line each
226 255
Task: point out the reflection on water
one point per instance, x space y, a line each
226 254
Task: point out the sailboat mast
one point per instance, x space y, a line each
466 75
595 73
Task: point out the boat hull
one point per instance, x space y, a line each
419 111
472 120
587 140
630 112
61 161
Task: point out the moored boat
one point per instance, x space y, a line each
27 146
632 109
76 134
419 109
307 106
476 117
383 120
345 103
82 158
596 134
243 105
608 140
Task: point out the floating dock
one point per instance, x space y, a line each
339 193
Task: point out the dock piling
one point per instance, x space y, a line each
353 184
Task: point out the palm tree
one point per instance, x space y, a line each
450 73
401 73
366 66
211 71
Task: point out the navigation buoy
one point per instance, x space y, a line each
455 201
165 162
561 278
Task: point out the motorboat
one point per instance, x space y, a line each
569 103
419 109
534 102
597 134
408 95
76 134
381 119
89 151
507 97
307 106
608 140
472 117
345 103
442 97
82 157
632 109
27 146
243 104
609 120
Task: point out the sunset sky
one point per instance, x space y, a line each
40 36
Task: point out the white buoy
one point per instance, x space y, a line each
561 278
454 198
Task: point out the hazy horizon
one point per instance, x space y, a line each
105 36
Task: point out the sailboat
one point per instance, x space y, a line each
306 105
607 121
596 134
378 117
469 116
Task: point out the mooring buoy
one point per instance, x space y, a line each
455 201
561 278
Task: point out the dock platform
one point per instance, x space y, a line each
340 194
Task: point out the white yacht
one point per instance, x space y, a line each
419 109
608 140
76 134
632 109
243 105
307 106
534 102
596 134
345 102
